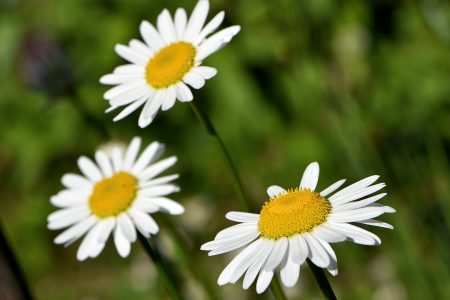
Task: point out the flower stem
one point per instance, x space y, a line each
322 281
167 278
276 289
244 203
14 282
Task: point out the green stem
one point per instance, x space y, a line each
276 289
15 284
322 281
244 203
167 278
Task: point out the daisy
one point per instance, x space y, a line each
297 224
169 60
114 196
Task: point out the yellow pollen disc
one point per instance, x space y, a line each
170 64
293 212
113 195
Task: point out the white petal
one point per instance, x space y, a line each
356 215
144 204
298 249
127 227
243 267
166 27
180 22
275 190
356 194
328 249
76 182
107 227
210 27
332 188
378 223
205 72
96 249
68 198
155 169
122 243
216 41
158 181
132 95
357 186
130 55
89 242
358 204
140 47
154 104
310 176
131 153
160 190
129 69
323 232
256 266
332 266
170 99
245 254
238 216
129 109
144 222
89 169
184 93
104 163
196 20
144 121
69 220
234 245
194 80
114 79
124 88
317 253
238 240
75 231
168 205
146 157
290 271
72 213
264 279
356 234
277 254
384 208
151 36
117 159
236 229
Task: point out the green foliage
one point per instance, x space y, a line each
360 86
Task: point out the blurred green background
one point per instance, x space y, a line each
362 87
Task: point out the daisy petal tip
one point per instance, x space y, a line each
333 272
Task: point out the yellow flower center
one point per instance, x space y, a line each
113 195
170 64
292 212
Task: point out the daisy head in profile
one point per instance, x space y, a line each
298 224
167 63
114 195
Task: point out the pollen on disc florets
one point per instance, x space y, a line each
170 64
293 212
113 195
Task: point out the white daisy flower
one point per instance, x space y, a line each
297 224
170 59
114 195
